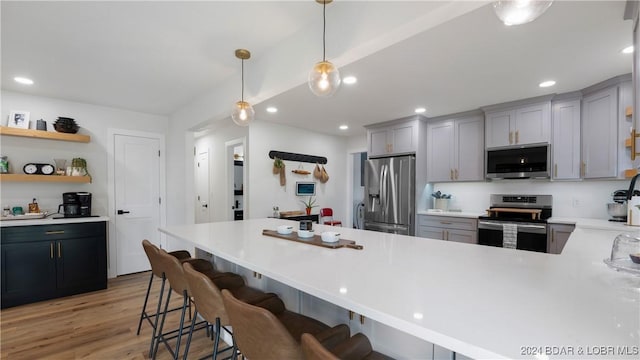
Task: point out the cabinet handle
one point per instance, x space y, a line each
362 319
51 250
555 170
445 223
583 169
517 136
54 232
451 174
456 172
390 147
446 235
510 137
350 315
59 250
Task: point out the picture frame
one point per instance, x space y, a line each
18 119
305 188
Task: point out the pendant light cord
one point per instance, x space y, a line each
324 30
242 92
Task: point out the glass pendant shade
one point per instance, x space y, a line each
324 79
242 113
517 12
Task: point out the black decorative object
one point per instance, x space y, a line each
297 157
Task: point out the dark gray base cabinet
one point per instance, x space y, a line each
49 261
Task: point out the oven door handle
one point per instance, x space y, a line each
489 225
525 228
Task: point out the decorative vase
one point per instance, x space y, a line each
308 211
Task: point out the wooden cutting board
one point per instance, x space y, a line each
535 213
315 240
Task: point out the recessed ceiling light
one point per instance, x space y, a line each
547 83
272 109
420 110
23 80
344 127
350 80
627 50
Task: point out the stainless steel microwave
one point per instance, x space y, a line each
527 162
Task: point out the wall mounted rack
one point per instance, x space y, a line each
297 157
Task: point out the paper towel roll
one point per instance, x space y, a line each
633 218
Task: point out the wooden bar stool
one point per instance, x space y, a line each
178 283
208 300
328 213
275 333
156 271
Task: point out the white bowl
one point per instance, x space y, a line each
330 236
305 233
284 229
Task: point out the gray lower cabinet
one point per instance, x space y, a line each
48 261
557 237
451 228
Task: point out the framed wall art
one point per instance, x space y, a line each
19 119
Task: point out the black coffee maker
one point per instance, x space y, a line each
75 204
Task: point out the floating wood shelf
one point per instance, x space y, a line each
297 157
41 134
44 178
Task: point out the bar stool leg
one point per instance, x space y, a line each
155 322
216 342
143 314
159 330
181 326
193 324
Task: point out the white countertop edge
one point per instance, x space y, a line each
52 221
447 342
450 213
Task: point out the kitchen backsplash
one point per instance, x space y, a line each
586 199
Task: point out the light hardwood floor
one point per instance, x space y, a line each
96 325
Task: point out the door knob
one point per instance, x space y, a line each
205 205
120 212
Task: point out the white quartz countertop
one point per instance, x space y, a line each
463 214
52 221
479 301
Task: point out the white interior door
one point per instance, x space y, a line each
137 200
202 187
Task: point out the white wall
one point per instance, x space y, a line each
585 199
264 187
93 120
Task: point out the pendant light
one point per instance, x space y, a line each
242 113
517 12
324 78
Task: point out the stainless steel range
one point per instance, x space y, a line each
516 221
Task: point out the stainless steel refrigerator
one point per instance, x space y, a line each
389 186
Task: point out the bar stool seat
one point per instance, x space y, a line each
272 333
357 347
208 301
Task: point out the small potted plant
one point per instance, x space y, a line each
441 201
309 204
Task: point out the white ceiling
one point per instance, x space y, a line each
157 57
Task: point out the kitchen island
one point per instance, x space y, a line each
478 301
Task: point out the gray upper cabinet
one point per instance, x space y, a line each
455 149
393 139
600 134
566 139
520 125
